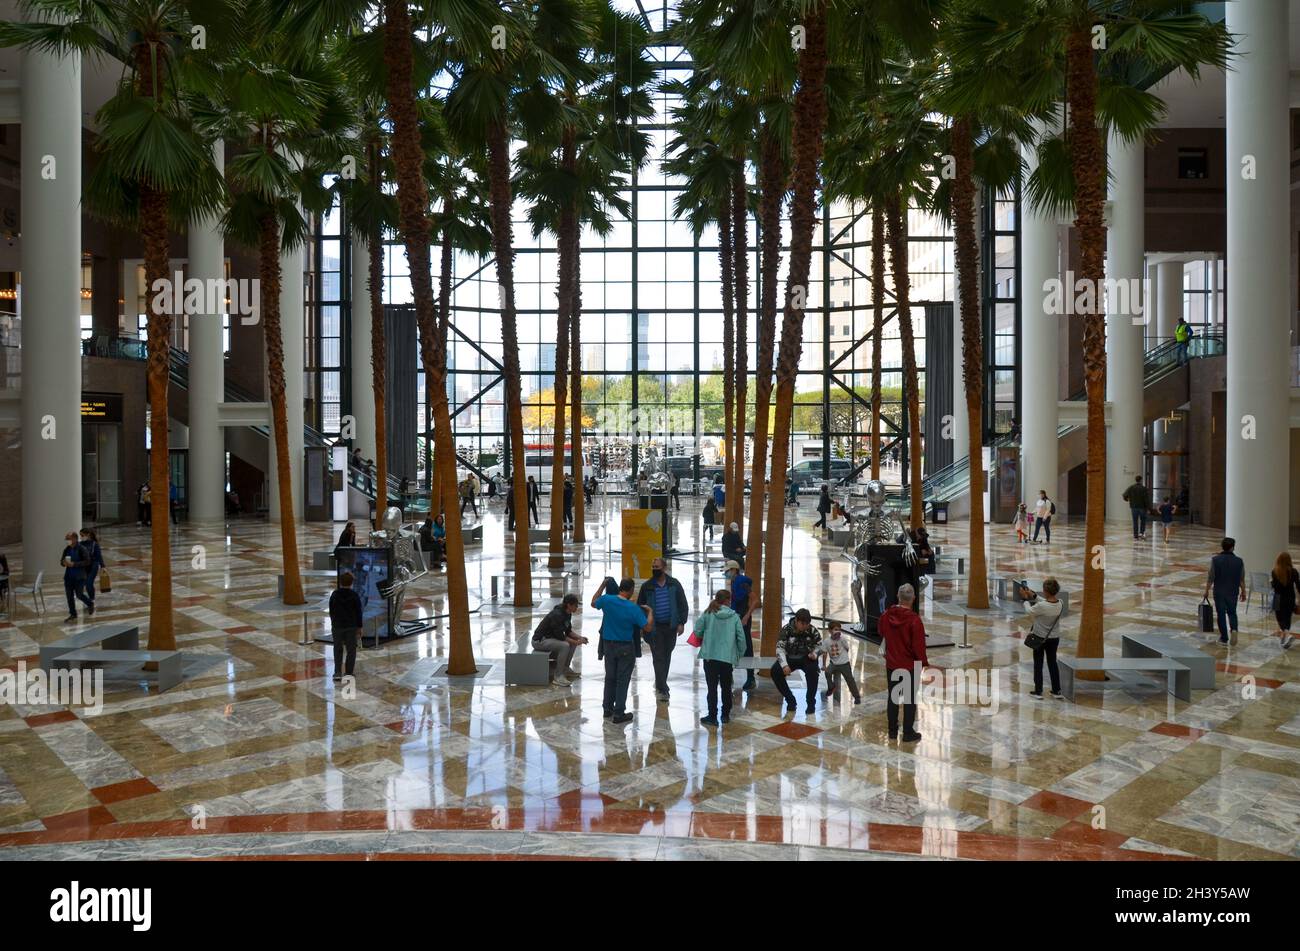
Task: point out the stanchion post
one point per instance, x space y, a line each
305 639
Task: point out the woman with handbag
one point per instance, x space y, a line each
721 639
1044 637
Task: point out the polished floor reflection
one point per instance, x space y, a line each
259 753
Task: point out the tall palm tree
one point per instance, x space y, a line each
154 170
1104 87
285 106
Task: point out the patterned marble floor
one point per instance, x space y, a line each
259 754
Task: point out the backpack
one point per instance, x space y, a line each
1053 508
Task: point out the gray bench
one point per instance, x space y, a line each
1180 677
528 669
323 560
314 574
1188 654
472 533
563 578
113 636
169 662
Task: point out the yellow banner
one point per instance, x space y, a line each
643 541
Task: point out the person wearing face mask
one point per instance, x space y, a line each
664 594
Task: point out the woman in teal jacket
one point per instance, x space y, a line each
722 638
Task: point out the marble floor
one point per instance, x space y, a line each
259 754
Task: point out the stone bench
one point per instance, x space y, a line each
1180 676
528 669
1188 654
307 576
112 636
563 578
169 662
472 533
323 560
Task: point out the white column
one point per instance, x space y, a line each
1166 437
363 394
1040 262
51 302
1169 298
1124 323
291 322
207 455
1259 325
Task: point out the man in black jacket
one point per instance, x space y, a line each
75 560
665 596
346 624
555 636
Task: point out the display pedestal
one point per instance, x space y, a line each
875 594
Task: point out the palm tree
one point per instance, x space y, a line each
154 170
284 104
1104 87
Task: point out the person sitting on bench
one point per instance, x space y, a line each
555 636
798 648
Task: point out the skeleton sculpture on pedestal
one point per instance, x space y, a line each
870 531
656 473
407 559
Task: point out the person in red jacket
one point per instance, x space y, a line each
904 635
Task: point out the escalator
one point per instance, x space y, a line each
1165 388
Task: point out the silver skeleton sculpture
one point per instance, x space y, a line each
407 559
657 475
874 528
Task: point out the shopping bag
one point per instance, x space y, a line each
1207 618
105 581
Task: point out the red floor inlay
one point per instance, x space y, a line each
305 670
83 820
120 792
1087 835
1177 729
239 630
1054 804
44 719
794 731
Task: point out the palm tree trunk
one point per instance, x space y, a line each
740 244
575 386
725 254
444 496
153 230
269 273
503 248
1088 162
564 295
877 328
771 188
379 370
966 247
809 127
897 216
412 202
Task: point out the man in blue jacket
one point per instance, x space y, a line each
75 560
1227 579
664 595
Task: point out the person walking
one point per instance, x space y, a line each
75 561
1227 579
741 586
467 499
555 636
664 595
1044 509
95 556
675 492
173 502
510 508
1167 510
839 663
710 517
1044 636
142 504
903 632
623 621
1021 521
1183 334
798 648
568 502
345 625
823 506
1286 584
1139 504
722 644
534 493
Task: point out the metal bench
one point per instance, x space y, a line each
307 576
1180 676
169 662
112 636
563 578
1188 654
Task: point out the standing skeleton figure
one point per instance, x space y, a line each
408 561
874 529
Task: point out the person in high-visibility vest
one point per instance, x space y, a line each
1183 335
